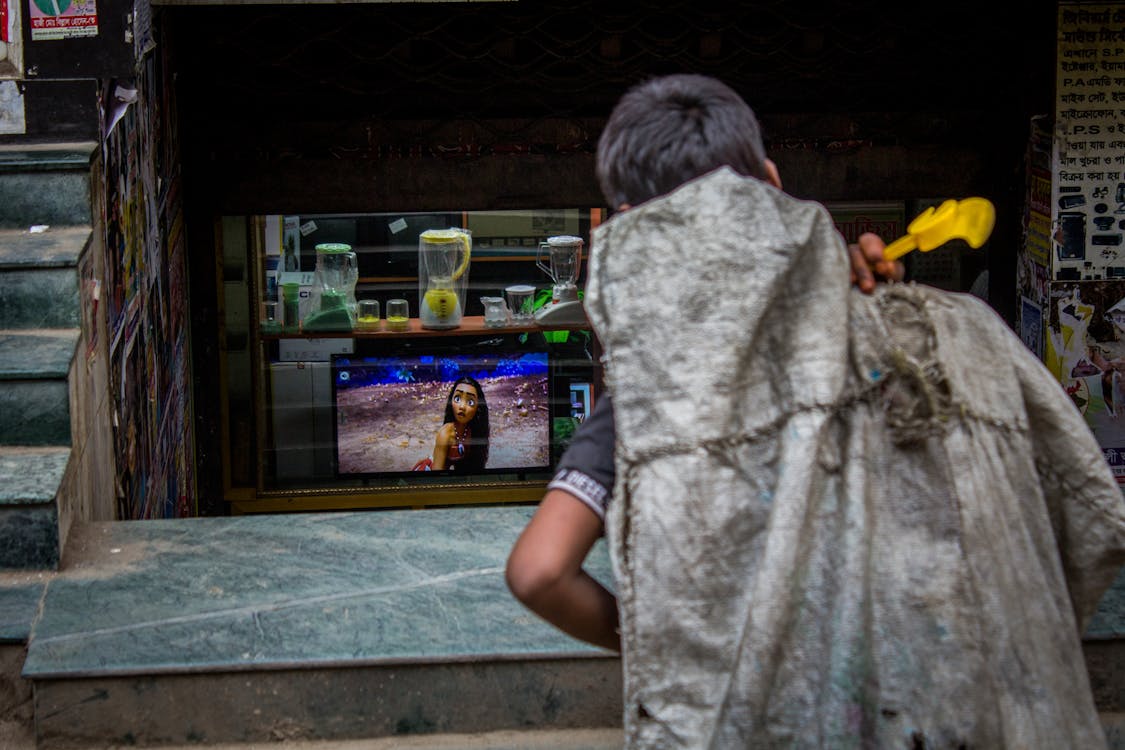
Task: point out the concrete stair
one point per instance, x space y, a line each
47 186
44 229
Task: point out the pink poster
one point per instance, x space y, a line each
63 19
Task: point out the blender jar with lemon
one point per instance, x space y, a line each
443 274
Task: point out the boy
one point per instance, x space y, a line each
837 519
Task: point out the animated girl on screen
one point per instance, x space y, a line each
461 444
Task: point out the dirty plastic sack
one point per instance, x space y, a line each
840 521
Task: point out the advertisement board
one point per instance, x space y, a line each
1085 349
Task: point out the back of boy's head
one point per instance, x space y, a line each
669 130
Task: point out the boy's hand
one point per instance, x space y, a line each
868 266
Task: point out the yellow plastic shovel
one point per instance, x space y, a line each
970 219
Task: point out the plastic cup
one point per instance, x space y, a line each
367 318
520 299
398 315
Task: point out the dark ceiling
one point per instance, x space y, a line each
553 59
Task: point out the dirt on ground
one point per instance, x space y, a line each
390 427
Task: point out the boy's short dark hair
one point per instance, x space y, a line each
669 130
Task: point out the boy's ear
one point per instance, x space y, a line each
772 176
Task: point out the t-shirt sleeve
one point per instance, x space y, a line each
586 468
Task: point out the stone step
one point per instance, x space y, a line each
39 353
46 184
29 536
39 277
326 626
20 594
23 738
34 392
381 628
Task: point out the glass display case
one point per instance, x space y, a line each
401 359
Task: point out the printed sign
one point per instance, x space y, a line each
1088 196
1085 349
63 19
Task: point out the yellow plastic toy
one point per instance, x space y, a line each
970 219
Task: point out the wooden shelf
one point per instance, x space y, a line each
470 325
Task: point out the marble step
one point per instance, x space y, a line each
39 277
34 393
20 594
45 184
29 535
384 626
326 626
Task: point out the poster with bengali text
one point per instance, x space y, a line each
1088 185
62 19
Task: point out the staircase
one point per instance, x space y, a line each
48 188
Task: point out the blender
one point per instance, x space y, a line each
564 256
332 300
443 264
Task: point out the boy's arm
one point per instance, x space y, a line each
545 571
545 566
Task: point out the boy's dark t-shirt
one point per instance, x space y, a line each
586 468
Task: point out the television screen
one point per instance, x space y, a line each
473 405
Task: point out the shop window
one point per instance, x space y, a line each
325 409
